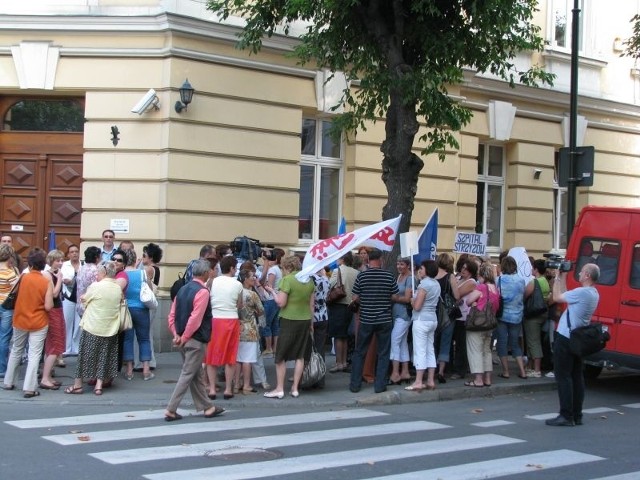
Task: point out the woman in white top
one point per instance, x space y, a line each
425 322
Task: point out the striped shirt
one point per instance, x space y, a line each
375 288
7 277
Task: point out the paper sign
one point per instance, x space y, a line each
522 261
17 228
119 225
408 244
471 243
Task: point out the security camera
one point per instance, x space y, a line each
150 99
536 173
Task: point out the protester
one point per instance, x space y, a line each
444 335
30 323
402 322
108 245
567 367
8 278
251 310
339 316
70 270
533 326
98 354
190 324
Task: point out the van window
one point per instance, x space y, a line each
603 252
634 280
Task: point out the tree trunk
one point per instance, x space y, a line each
400 166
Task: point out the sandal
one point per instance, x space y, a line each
172 418
502 375
415 388
8 387
72 390
216 411
97 391
31 394
473 384
44 386
337 368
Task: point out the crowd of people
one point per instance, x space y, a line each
232 314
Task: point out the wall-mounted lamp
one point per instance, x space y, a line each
186 95
536 173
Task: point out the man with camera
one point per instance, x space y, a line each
581 303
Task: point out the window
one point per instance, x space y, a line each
320 181
559 230
561 18
603 252
45 116
490 193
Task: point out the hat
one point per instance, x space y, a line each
375 254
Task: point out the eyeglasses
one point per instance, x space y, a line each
107 236
119 260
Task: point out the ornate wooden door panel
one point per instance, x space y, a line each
42 189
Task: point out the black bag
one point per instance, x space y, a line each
73 296
535 305
177 285
587 340
10 302
500 302
448 309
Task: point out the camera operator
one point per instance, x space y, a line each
581 303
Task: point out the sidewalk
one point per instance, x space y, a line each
155 393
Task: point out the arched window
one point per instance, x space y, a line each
45 116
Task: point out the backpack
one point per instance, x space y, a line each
177 285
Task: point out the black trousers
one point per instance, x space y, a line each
567 368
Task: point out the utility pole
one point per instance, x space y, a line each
573 119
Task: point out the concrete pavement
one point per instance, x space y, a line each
156 392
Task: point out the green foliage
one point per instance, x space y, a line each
633 43
46 116
401 52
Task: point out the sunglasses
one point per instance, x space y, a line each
119 260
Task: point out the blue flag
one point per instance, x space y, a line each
428 240
342 228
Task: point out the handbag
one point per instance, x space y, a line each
10 302
147 297
448 309
535 305
481 320
587 340
337 292
124 317
314 370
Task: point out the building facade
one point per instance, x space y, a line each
250 155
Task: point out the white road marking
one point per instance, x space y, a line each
493 423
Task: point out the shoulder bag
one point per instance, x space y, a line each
124 316
147 297
535 305
10 302
500 301
587 340
314 370
337 292
481 320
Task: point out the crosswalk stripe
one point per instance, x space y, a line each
623 476
214 425
245 445
493 423
500 467
632 405
590 411
339 459
91 419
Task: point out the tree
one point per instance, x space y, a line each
633 43
403 54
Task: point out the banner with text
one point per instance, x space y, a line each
471 243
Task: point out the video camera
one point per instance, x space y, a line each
555 261
246 248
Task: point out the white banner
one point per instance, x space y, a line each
381 235
471 243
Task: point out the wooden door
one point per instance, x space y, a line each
41 188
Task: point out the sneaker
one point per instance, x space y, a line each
550 375
534 374
267 354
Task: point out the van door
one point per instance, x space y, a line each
628 335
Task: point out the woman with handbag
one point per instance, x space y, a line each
70 269
295 300
402 321
30 323
444 333
339 316
534 321
140 318
511 287
479 342
467 268
8 278
98 353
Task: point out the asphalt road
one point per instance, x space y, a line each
472 438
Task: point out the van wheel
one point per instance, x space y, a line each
592 371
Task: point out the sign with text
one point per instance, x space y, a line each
471 243
119 225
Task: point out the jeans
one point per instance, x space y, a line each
445 337
141 326
272 326
567 368
509 339
363 339
6 332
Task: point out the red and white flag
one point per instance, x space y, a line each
381 235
